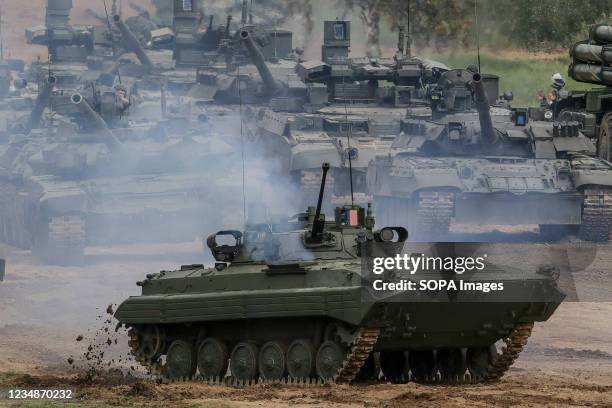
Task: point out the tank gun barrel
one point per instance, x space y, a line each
132 42
41 102
318 224
482 106
259 61
96 121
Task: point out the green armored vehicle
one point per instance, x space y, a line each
591 63
344 111
479 166
76 182
293 300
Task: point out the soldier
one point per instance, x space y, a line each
541 97
556 92
122 98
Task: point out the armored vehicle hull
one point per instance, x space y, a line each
472 164
428 194
302 313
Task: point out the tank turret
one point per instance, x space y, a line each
41 102
132 42
95 122
272 87
481 103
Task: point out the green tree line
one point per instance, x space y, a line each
529 24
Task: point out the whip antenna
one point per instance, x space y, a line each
242 149
1 39
408 31
348 141
477 33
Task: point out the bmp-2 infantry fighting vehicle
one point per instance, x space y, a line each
286 300
591 63
480 167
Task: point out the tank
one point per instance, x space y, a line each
347 111
592 108
469 164
74 181
287 300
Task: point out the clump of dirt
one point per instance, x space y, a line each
103 349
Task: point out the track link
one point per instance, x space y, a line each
360 349
596 215
358 353
515 343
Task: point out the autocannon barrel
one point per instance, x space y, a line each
259 61
97 123
41 102
594 74
132 42
318 224
593 54
482 106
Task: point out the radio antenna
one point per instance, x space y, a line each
242 152
110 30
1 39
408 31
348 141
477 34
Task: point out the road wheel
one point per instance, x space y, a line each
479 361
272 361
329 360
244 361
394 365
301 359
422 365
181 361
452 365
212 358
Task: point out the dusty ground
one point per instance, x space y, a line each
43 309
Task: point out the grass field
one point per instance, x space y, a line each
522 73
